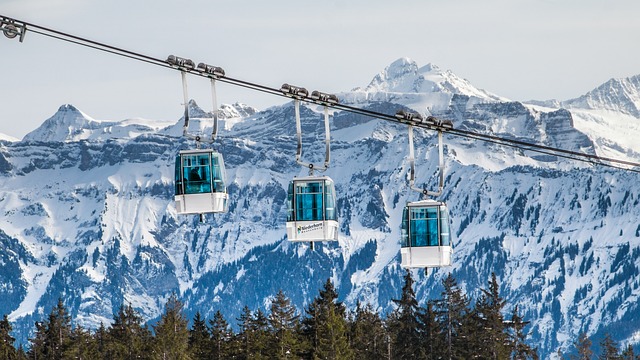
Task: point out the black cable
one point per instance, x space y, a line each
543 149
82 41
551 153
96 47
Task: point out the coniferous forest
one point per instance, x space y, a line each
445 328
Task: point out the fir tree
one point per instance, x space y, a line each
583 347
100 338
428 330
452 316
21 354
127 337
369 339
489 323
326 327
284 323
53 337
199 338
244 336
221 336
7 350
252 335
36 351
519 349
628 353
404 325
83 345
609 349
172 335
262 335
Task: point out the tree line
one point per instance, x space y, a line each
444 328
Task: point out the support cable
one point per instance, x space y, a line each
13 27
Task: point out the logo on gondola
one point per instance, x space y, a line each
311 227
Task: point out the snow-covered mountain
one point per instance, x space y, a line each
7 138
88 213
619 95
424 88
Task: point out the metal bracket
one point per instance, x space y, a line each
12 28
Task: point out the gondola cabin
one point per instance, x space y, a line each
312 214
200 182
426 241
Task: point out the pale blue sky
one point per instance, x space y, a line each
519 49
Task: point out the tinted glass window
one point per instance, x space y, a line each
330 201
290 211
445 237
218 173
309 204
424 226
404 231
196 172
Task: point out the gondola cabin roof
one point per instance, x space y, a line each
426 203
312 178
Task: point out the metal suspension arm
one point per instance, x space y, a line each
214 132
299 93
327 156
327 138
412 171
213 72
185 93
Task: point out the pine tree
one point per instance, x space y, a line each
221 336
284 323
251 337
326 327
53 337
489 322
36 351
7 350
583 347
172 335
262 335
83 345
100 337
21 354
628 353
519 349
404 325
609 349
127 337
199 338
369 339
452 316
428 330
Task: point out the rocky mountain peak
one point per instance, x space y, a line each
65 123
621 95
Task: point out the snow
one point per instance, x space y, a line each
47 209
8 138
38 278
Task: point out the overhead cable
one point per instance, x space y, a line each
13 27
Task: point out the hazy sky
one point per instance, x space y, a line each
519 49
